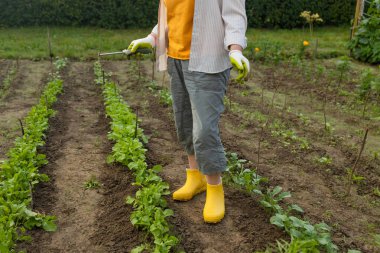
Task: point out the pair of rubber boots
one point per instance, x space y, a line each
196 183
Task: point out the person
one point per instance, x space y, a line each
198 42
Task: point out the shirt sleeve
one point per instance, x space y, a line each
235 22
155 31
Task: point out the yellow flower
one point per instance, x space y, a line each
257 49
306 43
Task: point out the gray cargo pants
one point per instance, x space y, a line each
198 104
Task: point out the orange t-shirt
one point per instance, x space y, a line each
180 27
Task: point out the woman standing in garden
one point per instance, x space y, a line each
198 42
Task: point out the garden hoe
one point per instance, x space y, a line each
128 52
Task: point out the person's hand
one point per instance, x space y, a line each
241 63
147 42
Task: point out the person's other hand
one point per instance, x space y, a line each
241 63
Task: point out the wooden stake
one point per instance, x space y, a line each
316 49
49 45
137 120
353 171
153 64
359 4
22 127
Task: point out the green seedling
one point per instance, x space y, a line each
324 160
305 120
165 97
303 230
376 192
375 155
272 198
329 128
91 184
343 66
355 178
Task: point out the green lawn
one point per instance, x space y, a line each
85 43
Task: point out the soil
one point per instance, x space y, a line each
92 220
246 226
23 93
303 96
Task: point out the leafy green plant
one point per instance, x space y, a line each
241 176
365 46
324 160
165 97
368 85
319 234
354 177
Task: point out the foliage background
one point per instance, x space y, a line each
143 13
365 45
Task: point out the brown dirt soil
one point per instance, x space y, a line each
317 190
343 156
77 146
246 226
307 98
22 95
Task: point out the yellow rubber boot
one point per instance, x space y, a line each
214 208
195 184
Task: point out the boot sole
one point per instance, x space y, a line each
214 221
196 193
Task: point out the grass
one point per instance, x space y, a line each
85 43
329 38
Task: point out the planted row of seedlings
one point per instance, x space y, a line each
150 207
7 82
305 237
19 173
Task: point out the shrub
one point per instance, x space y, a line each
365 45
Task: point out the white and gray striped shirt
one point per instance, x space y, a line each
217 25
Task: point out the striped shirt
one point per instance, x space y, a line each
217 25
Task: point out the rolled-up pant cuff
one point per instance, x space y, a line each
211 161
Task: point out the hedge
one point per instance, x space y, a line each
143 13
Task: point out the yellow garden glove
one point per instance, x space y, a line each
147 42
241 63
